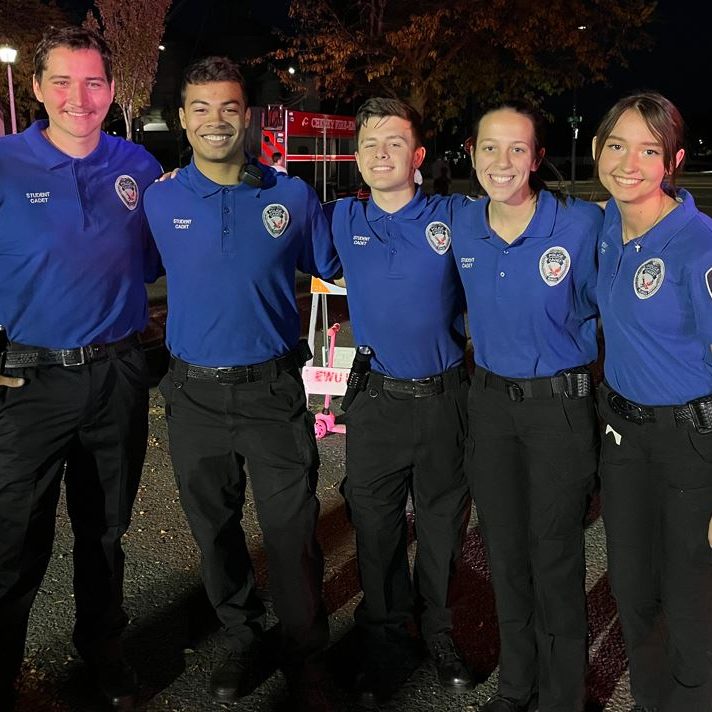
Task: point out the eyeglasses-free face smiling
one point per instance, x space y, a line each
631 166
215 116
77 95
504 155
387 154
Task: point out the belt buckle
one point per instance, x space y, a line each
221 371
422 382
421 387
71 361
515 392
627 410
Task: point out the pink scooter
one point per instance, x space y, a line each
326 420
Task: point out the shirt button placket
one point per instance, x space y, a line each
501 274
392 251
226 220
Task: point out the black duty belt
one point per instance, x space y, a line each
575 383
22 356
698 411
236 375
420 387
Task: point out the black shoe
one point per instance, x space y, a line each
452 671
498 703
116 681
229 676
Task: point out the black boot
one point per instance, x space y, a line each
453 674
228 681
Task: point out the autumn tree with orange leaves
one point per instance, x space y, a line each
437 54
22 23
133 29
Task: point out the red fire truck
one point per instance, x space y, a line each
317 147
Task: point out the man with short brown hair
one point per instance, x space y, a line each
73 384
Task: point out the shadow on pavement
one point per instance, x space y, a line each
179 638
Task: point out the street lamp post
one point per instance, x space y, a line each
8 55
574 121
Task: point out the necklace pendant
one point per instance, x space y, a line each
637 247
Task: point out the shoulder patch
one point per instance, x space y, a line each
127 190
554 265
649 278
439 236
275 218
708 281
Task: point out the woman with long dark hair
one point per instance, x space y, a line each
526 257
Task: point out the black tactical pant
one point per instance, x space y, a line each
392 440
531 466
656 481
215 431
93 418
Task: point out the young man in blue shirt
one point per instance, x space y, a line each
231 234
75 252
406 429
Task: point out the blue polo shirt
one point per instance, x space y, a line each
531 304
74 243
405 300
656 306
231 253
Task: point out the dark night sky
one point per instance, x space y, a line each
678 64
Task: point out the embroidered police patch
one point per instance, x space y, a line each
708 280
275 218
554 265
649 278
127 189
439 236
